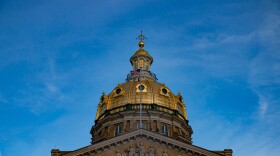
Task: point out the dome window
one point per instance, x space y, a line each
118 91
141 87
164 130
164 91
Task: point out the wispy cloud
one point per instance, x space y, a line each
52 88
256 138
252 57
69 54
50 77
42 91
262 107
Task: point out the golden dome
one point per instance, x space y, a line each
152 93
141 103
141 52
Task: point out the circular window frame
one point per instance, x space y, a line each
137 87
164 91
118 91
141 87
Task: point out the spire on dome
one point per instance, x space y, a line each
141 37
141 61
141 58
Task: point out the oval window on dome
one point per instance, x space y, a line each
118 91
141 87
164 90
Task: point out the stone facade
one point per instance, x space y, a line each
141 142
152 120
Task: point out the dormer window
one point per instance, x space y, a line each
141 87
118 91
164 90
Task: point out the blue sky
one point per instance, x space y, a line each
57 57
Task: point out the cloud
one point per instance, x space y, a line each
41 91
262 107
251 57
52 88
269 31
49 135
264 69
243 139
47 35
50 77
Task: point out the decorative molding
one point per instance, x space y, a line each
139 150
141 133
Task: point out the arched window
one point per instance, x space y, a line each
164 130
127 124
118 130
141 64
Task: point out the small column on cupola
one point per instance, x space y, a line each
141 60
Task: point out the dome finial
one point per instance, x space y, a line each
141 37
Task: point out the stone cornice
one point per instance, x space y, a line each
142 133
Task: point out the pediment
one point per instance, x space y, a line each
141 143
